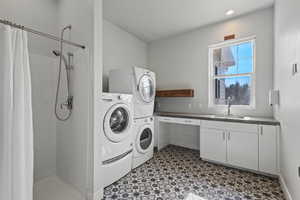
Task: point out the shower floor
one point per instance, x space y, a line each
52 188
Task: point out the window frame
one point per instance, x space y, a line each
212 76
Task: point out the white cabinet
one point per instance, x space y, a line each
248 146
242 149
268 149
213 144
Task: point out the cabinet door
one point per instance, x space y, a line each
242 149
213 145
268 149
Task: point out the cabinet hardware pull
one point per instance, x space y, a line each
108 100
224 136
229 135
261 130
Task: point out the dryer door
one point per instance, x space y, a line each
144 140
117 123
146 88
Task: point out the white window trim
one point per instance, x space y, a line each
211 100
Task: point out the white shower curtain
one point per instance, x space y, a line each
16 136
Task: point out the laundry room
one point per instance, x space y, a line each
149 99
180 60
207 96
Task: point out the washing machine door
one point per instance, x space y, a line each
117 123
144 140
146 88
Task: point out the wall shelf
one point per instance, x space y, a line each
175 93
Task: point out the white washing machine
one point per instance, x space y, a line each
143 141
117 136
139 82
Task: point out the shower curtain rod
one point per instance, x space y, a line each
47 35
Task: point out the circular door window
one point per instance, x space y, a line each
146 88
117 122
145 140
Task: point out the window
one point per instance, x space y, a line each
232 73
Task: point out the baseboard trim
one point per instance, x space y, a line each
284 188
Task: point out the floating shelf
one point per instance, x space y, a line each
175 93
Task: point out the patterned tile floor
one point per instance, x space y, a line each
178 173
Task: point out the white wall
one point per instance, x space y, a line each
121 50
72 135
75 135
78 140
43 75
182 62
96 191
40 15
287 45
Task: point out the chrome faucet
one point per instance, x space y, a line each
229 103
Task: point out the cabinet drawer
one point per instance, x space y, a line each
187 121
176 120
166 119
230 126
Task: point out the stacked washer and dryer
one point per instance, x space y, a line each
141 84
127 120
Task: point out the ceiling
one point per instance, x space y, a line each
154 19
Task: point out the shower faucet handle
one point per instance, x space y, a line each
68 104
63 105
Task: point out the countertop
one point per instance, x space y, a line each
238 119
